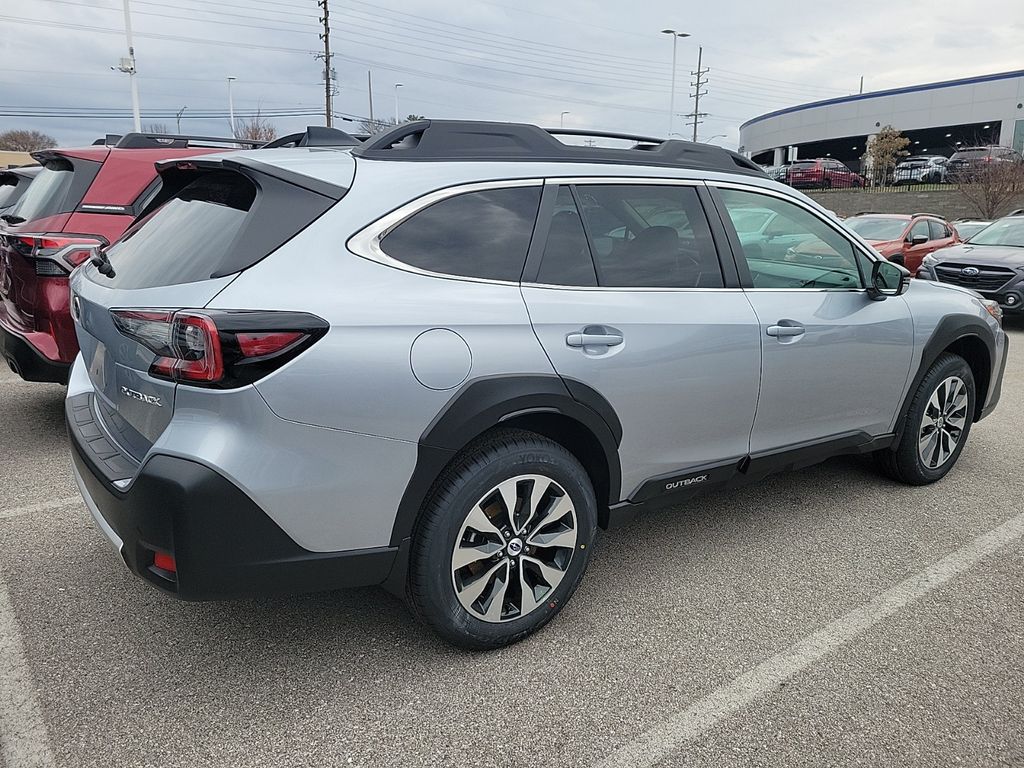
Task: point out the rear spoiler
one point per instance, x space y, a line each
176 174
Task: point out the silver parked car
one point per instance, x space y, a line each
441 360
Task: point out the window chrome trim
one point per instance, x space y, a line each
643 181
630 289
833 223
366 242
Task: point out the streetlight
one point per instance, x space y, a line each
672 95
397 86
231 106
178 115
709 139
128 67
561 118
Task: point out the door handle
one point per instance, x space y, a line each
780 331
593 339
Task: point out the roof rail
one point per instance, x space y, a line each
1017 212
314 136
177 141
925 213
426 140
866 213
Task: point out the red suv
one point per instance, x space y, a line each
904 239
823 173
81 199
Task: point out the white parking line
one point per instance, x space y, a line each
662 740
23 739
45 506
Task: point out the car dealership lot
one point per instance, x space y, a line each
687 642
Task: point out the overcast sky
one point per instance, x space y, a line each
605 62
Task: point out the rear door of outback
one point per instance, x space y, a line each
141 324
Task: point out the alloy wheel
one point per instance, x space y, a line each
943 423
514 548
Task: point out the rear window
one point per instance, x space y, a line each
8 189
183 240
49 194
213 223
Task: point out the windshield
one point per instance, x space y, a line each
969 230
877 228
1008 231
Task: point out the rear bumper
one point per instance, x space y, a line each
28 362
223 544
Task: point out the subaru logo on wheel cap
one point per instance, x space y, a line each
970 271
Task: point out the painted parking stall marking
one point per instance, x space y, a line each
703 715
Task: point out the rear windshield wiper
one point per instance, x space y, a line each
10 218
102 262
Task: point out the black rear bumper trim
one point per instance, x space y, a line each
224 545
26 361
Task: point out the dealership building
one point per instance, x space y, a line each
938 118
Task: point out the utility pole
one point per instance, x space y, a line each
861 84
128 67
369 92
699 83
326 56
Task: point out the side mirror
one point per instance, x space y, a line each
887 279
918 240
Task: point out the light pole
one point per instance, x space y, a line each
672 95
128 66
177 117
709 139
397 86
231 107
561 118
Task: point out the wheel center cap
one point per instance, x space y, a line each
939 422
515 547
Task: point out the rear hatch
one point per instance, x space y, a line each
138 305
45 207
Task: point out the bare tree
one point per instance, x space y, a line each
883 152
993 188
256 128
155 128
26 141
376 126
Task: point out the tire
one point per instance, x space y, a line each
918 459
466 517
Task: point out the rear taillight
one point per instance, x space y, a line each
218 348
57 255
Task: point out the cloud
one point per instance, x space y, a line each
606 63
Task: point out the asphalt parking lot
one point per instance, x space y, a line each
825 617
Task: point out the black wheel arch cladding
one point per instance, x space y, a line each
960 334
488 402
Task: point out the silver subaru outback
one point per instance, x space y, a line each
440 360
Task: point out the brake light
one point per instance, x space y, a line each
218 348
57 255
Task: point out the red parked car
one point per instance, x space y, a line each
904 239
81 199
823 173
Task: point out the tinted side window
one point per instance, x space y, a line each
649 236
937 229
566 259
49 192
798 250
920 228
477 234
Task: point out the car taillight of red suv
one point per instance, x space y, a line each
82 200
